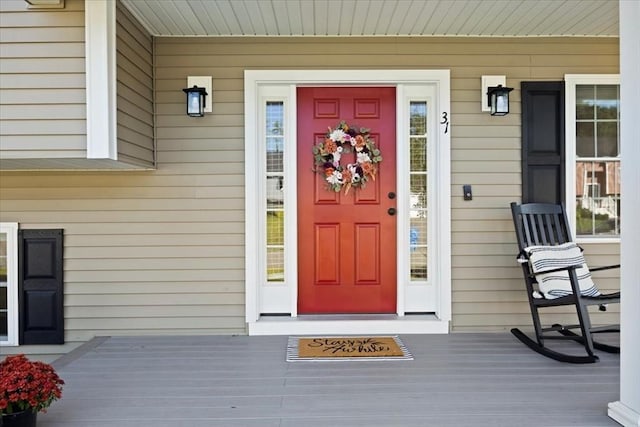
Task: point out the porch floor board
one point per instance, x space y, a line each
480 379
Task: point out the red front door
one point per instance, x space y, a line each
346 242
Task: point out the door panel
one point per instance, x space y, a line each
346 242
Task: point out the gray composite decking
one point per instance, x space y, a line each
454 380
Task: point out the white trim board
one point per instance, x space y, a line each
348 325
280 85
100 52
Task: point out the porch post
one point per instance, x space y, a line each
626 411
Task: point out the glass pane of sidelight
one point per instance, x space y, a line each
275 154
275 192
274 136
418 154
275 118
418 118
419 264
418 192
275 264
275 228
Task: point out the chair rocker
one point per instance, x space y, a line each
556 274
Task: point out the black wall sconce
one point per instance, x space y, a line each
498 100
196 99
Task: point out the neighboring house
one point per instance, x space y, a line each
179 225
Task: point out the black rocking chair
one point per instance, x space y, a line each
547 253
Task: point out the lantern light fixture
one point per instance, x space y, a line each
498 100
196 98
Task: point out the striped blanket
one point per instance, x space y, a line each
545 260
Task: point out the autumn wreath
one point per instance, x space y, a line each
339 141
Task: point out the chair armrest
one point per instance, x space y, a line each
604 267
555 270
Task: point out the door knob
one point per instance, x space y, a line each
392 195
391 211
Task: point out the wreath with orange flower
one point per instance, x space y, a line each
339 141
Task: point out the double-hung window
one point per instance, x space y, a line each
593 155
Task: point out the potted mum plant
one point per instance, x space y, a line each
26 388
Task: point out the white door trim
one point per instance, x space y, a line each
275 85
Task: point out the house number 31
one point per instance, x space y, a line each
445 121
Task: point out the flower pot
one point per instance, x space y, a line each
19 419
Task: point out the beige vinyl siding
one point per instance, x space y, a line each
161 252
43 90
135 90
42 81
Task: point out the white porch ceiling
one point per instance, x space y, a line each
499 18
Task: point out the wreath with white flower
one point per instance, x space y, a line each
341 140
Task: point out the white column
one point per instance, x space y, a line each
626 411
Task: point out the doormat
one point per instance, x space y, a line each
346 348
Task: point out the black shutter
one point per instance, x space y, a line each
543 171
40 287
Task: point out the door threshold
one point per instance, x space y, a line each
349 324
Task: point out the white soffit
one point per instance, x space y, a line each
492 18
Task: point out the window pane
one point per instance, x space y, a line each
607 139
274 134
275 154
3 259
585 141
275 264
275 192
418 191
418 118
607 102
275 117
418 248
419 264
418 232
418 155
598 198
585 101
3 297
4 326
275 228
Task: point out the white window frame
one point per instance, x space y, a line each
11 230
571 81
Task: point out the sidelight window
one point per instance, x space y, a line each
418 177
274 143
